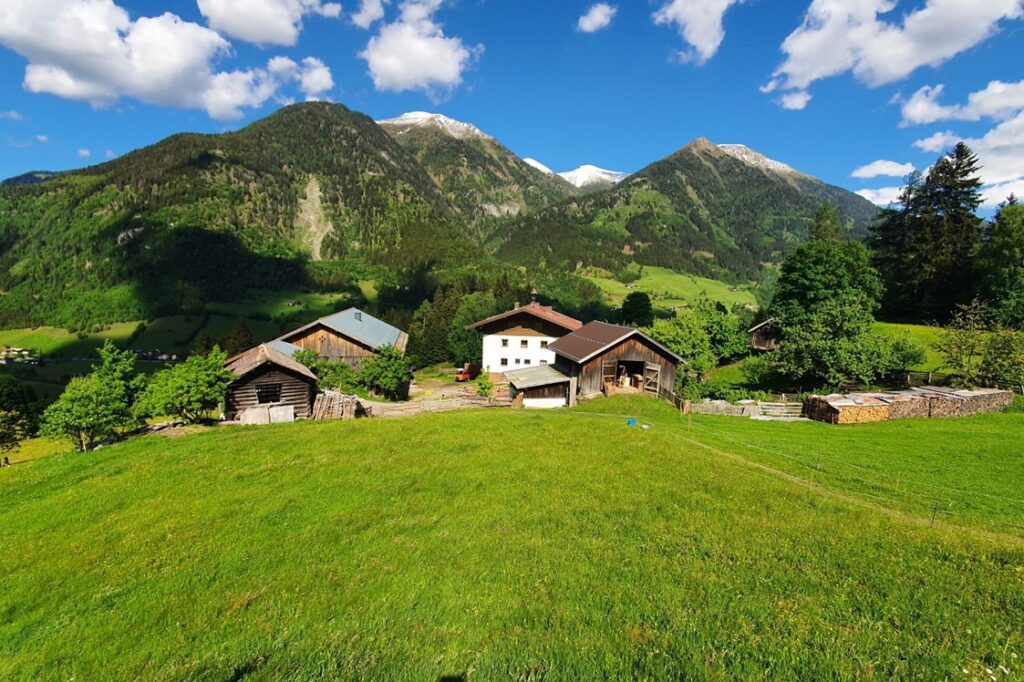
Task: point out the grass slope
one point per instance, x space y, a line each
495 545
669 288
926 336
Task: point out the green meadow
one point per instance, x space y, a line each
520 545
668 288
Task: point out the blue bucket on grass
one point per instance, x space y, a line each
630 422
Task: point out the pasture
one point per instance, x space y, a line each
668 288
510 544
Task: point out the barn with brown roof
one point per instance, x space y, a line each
599 354
268 379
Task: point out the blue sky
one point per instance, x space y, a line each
827 86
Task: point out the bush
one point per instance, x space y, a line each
484 386
331 375
190 390
388 373
89 411
757 370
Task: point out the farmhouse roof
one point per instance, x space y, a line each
534 377
767 323
265 354
359 326
539 311
594 338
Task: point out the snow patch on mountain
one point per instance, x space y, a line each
425 119
538 165
592 176
752 158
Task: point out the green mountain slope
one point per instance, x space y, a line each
701 210
482 180
204 217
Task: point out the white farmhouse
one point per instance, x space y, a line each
519 338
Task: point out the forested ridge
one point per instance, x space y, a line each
201 218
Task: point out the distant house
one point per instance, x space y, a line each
520 338
599 353
351 336
268 379
765 336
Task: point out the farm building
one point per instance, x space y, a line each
541 387
599 353
764 336
521 337
351 336
269 381
929 402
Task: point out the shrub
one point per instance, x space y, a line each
388 373
331 375
484 386
190 390
89 410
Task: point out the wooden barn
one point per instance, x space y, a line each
268 380
765 336
541 387
600 353
351 336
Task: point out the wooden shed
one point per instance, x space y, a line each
351 336
266 378
600 353
541 387
765 336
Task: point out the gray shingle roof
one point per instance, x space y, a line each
358 326
532 377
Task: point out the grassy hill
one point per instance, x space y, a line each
668 288
466 545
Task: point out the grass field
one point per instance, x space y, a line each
926 336
518 545
668 289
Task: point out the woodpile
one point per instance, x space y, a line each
331 405
929 402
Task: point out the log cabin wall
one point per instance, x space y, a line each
522 324
634 349
553 391
296 391
331 345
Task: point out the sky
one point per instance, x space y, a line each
856 92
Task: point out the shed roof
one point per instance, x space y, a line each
543 312
594 338
265 354
770 322
534 377
359 326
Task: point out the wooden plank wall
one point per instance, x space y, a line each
295 391
630 350
331 345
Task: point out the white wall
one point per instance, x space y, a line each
516 355
543 403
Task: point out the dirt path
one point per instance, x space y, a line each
311 216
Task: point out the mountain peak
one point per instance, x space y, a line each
592 177
752 158
538 165
425 119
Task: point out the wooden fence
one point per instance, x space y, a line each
786 407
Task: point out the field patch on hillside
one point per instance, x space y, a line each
668 289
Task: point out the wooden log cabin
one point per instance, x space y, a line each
600 353
267 378
351 336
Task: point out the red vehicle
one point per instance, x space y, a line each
467 373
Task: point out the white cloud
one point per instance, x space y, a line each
699 23
312 75
998 100
938 142
883 196
994 195
264 22
110 154
878 47
369 12
597 17
413 53
84 153
42 139
91 50
11 115
883 168
795 101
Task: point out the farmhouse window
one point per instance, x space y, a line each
504 362
268 393
518 361
526 361
524 344
504 343
543 344
543 362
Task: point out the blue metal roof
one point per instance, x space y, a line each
363 327
288 349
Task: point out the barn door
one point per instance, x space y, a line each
652 378
608 372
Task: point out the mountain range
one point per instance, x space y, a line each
317 195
